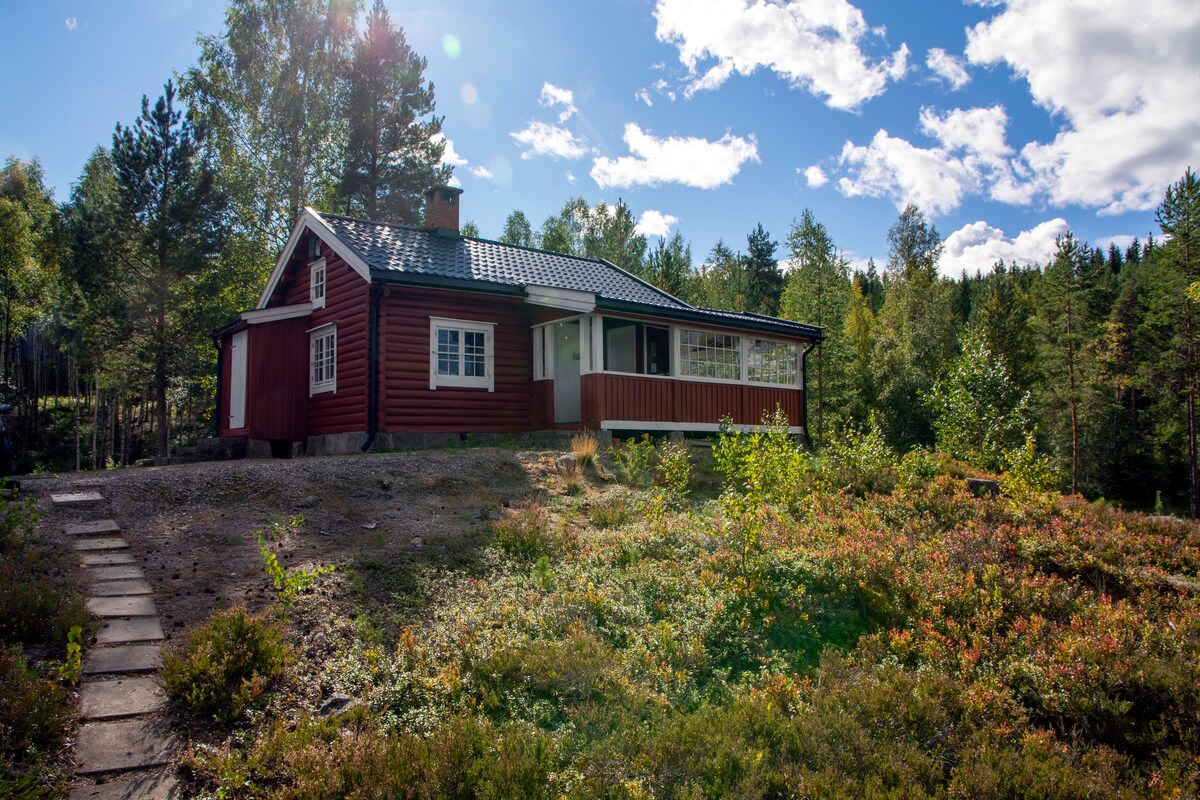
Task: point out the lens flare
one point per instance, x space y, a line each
468 93
452 45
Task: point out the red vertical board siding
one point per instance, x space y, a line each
277 380
406 401
629 397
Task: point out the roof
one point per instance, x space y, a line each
409 254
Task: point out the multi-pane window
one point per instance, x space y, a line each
316 273
322 360
771 362
705 354
461 354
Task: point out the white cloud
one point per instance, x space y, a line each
655 223
454 181
971 155
644 96
690 161
1121 240
480 171
978 246
72 23
557 96
816 45
450 156
1121 75
549 140
947 67
815 176
570 177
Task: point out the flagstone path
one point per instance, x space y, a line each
124 740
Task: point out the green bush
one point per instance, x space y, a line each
227 666
33 719
635 461
861 461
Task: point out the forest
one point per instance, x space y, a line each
1084 366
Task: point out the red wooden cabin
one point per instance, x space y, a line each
369 333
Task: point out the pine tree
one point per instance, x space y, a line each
1179 218
393 152
171 224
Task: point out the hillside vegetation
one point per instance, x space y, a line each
754 623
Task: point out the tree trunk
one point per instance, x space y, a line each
1074 402
1190 373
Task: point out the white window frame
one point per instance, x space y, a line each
486 381
314 269
327 334
749 343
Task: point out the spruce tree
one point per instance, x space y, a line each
765 278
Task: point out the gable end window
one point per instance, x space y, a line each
322 359
316 283
461 354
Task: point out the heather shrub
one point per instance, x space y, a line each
227 666
612 514
525 532
39 600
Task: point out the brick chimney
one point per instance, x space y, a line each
441 209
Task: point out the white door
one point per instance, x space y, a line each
237 379
566 371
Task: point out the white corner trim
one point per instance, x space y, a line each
311 220
567 299
276 313
686 427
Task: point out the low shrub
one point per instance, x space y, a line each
611 515
39 601
525 532
635 461
33 719
227 666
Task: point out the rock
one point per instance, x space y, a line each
370 526
308 502
336 703
416 542
566 462
982 487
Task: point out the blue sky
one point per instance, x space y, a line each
1007 122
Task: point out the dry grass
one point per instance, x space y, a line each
585 447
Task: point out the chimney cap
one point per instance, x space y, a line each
447 191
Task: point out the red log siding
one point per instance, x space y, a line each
347 303
408 404
625 397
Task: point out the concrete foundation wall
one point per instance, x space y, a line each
342 443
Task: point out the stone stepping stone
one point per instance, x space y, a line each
122 606
123 745
156 787
120 588
110 543
127 631
93 528
106 559
76 498
117 573
124 658
123 697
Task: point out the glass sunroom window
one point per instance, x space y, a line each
772 362
705 354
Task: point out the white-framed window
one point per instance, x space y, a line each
461 353
322 359
316 283
772 362
707 354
